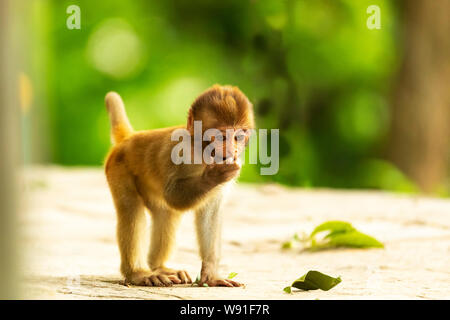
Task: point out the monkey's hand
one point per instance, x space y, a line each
152 278
213 281
182 275
208 276
221 173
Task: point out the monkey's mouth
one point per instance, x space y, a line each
223 158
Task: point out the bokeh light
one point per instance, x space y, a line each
115 49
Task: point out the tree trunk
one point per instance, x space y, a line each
421 108
9 150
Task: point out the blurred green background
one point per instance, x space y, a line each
311 68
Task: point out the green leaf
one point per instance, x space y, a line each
205 285
354 239
314 280
197 281
288 289
334 227
288 245
232 275
341 234
295 240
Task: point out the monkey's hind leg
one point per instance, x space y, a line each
164 225
131 233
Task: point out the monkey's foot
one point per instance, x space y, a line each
218 282
181 275
152 278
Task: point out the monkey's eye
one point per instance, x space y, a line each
239 137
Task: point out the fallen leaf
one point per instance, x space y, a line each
354 239
334 227
314 280
341 234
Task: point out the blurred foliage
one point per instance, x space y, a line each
312 69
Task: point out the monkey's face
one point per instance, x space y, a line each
226 116
227 144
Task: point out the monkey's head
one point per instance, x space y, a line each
226 115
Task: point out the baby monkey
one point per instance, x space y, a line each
142 175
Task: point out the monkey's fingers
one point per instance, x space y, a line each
146 282
223 283
227 172
234 283
189 278
184 277
173 279
157 282
228 166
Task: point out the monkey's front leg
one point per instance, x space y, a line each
208 224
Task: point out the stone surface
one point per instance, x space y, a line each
68 224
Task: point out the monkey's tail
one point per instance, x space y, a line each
120 125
